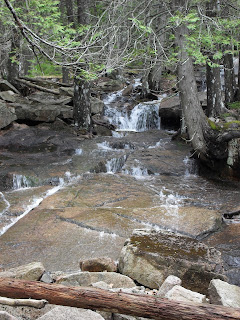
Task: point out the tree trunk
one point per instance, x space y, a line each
13 58
81 104
238 90
215 105
193 114
229 78
117 302
82 16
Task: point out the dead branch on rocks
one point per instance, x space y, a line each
31 85
39 304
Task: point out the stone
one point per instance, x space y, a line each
223 293
32 271
98 265
5 86
168 284
117 316
47 278
149 256
179 293
102 130
97 105
6 316
7 115
8 96
70 313
101 285
110 85
128 90
68 91
86 279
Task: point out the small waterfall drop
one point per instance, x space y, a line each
142 117
20 181
115 165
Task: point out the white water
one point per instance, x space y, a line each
35 203
20 182
79 152
6 203
115 165
142 117
171 202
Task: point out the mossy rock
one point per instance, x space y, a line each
232 125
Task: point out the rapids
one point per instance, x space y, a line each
85 200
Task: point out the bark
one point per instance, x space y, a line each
82 16
117 302
238 90
193 115
229 78
215 104
81 104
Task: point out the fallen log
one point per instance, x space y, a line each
52 83
35 86
116 302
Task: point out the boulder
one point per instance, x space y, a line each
223 293
98 265
179 293
7 115
102 130
109 85
42 112
128 90
70 313
168 284
5 86
32 271
67 91
97 105
8 96
149 256
6 316
86 279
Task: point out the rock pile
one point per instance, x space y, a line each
144 260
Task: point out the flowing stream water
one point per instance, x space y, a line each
109 186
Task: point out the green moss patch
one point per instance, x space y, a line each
234 105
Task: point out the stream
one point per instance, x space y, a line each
85 199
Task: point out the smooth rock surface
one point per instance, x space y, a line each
8 96
223 293
6 316
86 279
31 271
179 293
150 256
69 313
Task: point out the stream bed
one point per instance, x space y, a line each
64 198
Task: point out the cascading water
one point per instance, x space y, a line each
115 165
142 117
20 181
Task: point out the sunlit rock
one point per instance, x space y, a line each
150 256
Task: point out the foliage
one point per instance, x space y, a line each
234 105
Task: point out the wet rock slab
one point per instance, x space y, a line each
150 256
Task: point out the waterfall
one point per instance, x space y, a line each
142 117
115 165
20 181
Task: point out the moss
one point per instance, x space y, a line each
213 125
225 115
234 105
228 125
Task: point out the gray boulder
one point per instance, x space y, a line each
5 86
8 96
150 256
97 105
168 284
86 279
223 293
179 293
31 271
7 115
69 313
